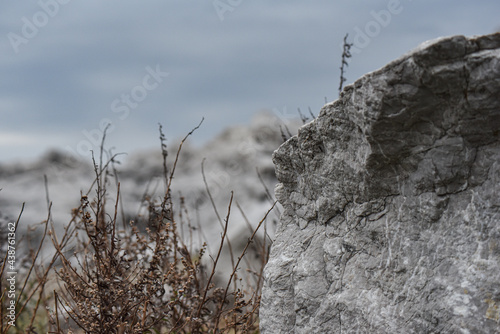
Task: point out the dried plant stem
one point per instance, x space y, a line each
250 240
207 188
216 261
346 53
133 281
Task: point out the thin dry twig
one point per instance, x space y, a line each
207 188
250 240
346 53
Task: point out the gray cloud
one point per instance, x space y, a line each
263 55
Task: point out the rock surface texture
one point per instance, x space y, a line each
392 202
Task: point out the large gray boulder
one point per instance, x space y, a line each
391 198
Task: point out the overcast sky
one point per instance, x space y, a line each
67 67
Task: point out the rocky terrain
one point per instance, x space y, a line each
238 160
